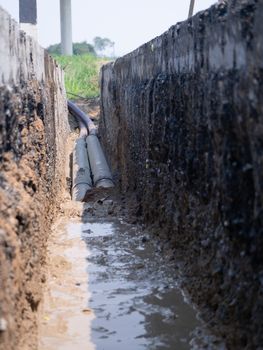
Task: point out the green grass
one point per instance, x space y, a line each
81 74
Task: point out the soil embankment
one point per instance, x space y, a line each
182 125
33 127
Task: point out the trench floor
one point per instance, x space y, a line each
109 287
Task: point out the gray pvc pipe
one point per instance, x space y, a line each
99 167
81 179
79 114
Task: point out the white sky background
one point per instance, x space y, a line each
129 23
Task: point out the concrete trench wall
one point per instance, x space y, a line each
33 129
182 123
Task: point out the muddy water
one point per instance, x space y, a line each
108 288
136 302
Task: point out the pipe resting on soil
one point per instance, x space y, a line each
80 115
89 163
81 172
83 131
101 172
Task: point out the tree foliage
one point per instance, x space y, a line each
99 47
101 44
82 48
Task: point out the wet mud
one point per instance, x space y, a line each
64 322
110 287
135 299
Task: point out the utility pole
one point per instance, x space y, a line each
28 17
66 27
191 8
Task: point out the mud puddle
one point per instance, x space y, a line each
109 288
136 302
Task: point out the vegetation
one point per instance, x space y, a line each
81 74
82 69
82 48
101 46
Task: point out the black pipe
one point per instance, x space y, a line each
79 114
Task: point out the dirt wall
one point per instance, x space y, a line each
182 124
33 129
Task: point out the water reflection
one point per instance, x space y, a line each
135 298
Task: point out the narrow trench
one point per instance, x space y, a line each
109 287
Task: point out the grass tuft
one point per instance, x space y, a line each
81 74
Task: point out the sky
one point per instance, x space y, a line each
128 23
